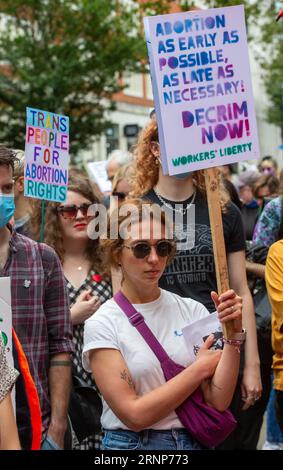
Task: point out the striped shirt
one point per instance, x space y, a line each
40 309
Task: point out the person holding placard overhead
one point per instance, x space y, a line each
192 273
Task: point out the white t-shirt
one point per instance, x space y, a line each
109 327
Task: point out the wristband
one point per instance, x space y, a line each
238 336
236 343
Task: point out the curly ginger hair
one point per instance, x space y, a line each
146 167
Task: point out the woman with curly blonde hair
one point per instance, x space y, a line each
65 230
192 272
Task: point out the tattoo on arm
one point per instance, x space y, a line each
125 376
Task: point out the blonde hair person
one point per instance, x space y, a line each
138 406
9 439
121 185
192 272
116 159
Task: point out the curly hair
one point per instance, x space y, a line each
146 168
120 219
78 183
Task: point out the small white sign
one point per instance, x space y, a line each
196 334
6 323
6 317
97 171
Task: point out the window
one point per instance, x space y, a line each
112 138
134 85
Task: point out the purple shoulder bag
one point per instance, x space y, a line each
207 425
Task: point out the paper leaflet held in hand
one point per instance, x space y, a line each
196 333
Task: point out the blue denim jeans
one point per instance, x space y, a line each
149 439
49 444
273 433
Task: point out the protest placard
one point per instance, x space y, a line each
6 324
6 317
46 155
202 88
196 333
97 171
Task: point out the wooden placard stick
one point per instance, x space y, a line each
215 217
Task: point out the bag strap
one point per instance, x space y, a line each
137 320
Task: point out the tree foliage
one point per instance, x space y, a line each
270 56
252 7
66 56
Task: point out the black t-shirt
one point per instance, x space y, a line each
249 218
192 272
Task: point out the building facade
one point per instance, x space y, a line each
136 101
133 107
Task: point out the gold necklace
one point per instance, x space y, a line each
80 266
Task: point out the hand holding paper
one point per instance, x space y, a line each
200 332
209 355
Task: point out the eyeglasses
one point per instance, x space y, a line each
70 211
121 196
142 249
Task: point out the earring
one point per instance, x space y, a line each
156 161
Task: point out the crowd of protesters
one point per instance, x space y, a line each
69 329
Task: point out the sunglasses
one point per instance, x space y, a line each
142 249
71 211
121 196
